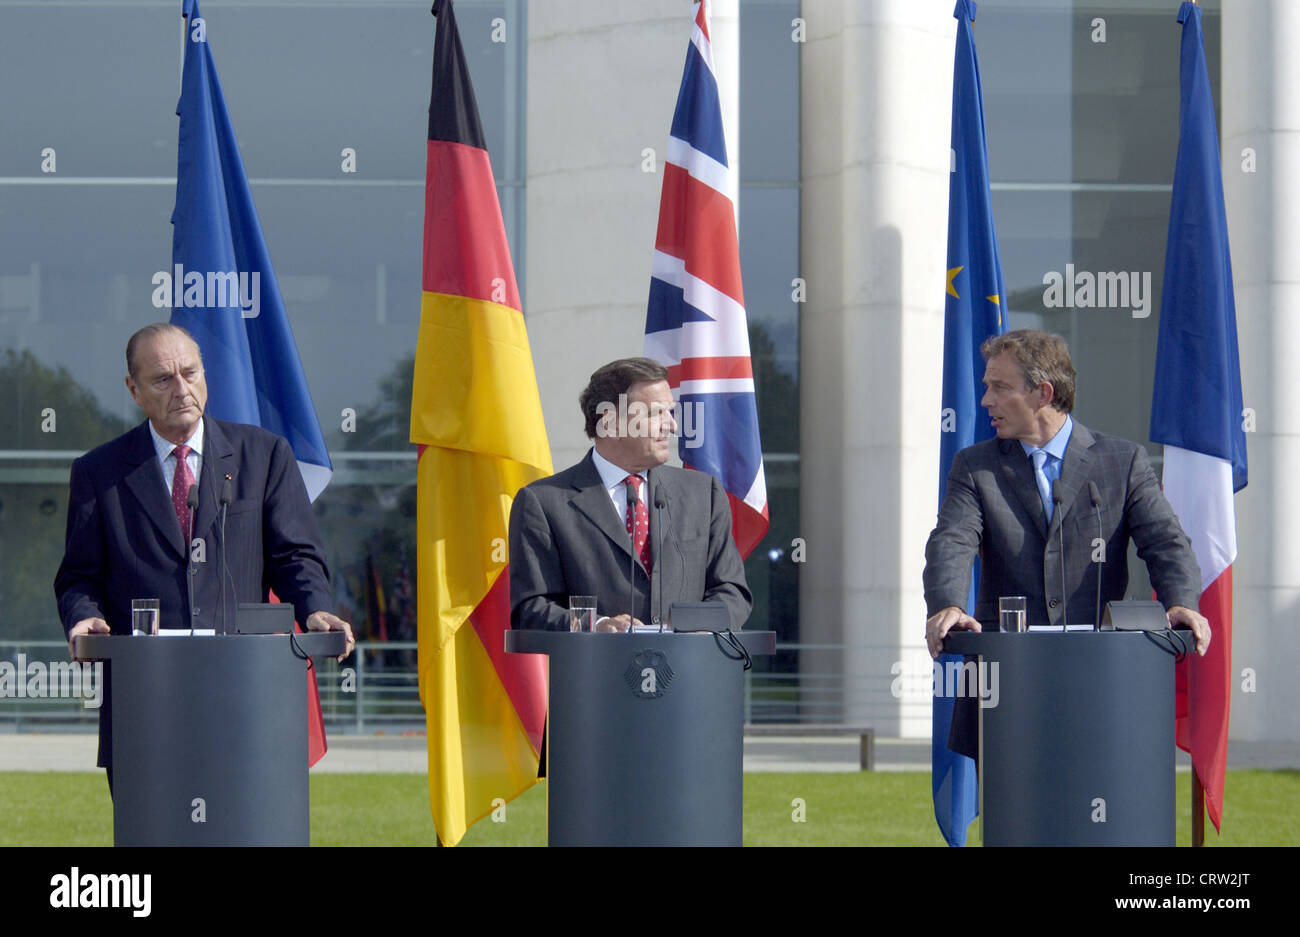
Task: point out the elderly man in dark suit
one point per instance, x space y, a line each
1000 505
575 532
131 531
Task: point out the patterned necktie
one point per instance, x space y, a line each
1040 457
182 480
638 522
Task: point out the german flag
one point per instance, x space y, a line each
477 419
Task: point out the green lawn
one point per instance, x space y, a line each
862 808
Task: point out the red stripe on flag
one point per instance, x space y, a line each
522 675
317 746
465 248
694 369
748 526
697 225
1204 685
702 21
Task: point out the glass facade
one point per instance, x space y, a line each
1081 106
769 258
305 81
1081 112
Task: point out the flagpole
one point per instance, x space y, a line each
180 68
1198 789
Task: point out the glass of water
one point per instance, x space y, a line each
1011 613
582 613
144 616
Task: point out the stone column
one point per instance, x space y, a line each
1260 134
876 99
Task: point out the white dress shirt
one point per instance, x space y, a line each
612 477
168 461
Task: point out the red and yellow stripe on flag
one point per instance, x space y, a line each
477 418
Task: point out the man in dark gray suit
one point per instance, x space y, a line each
999 504
573 533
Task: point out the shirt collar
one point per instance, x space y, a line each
164 448
1057 444
610 474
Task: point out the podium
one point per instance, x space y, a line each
1078 746
644 736
209 737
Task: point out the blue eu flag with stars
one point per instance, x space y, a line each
975 308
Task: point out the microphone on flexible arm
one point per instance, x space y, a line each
655 579
632 500
1057 498
1095 495
226 497
192 503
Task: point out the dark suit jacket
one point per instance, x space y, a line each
567 539
992 508
124 542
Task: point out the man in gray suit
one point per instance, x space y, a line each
573 533
1000 503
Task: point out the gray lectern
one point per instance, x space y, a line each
644 736
1076 737
209 737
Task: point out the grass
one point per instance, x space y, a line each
861 808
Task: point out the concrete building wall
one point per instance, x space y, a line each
592 209
1260 121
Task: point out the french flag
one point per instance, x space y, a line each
255 374
695 318
1196 407
251 358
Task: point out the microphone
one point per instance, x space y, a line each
632 501
1095 495
655 579
1057 498
191 502
226 497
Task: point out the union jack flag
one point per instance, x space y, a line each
695 320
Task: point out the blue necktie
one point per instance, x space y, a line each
1040 457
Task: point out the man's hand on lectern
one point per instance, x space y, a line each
941 622
617 623
1200 625
327 621
85 626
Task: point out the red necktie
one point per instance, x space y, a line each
638 522
182 480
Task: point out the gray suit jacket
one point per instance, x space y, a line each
992 508
567 539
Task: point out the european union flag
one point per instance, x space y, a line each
974 310
224 291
